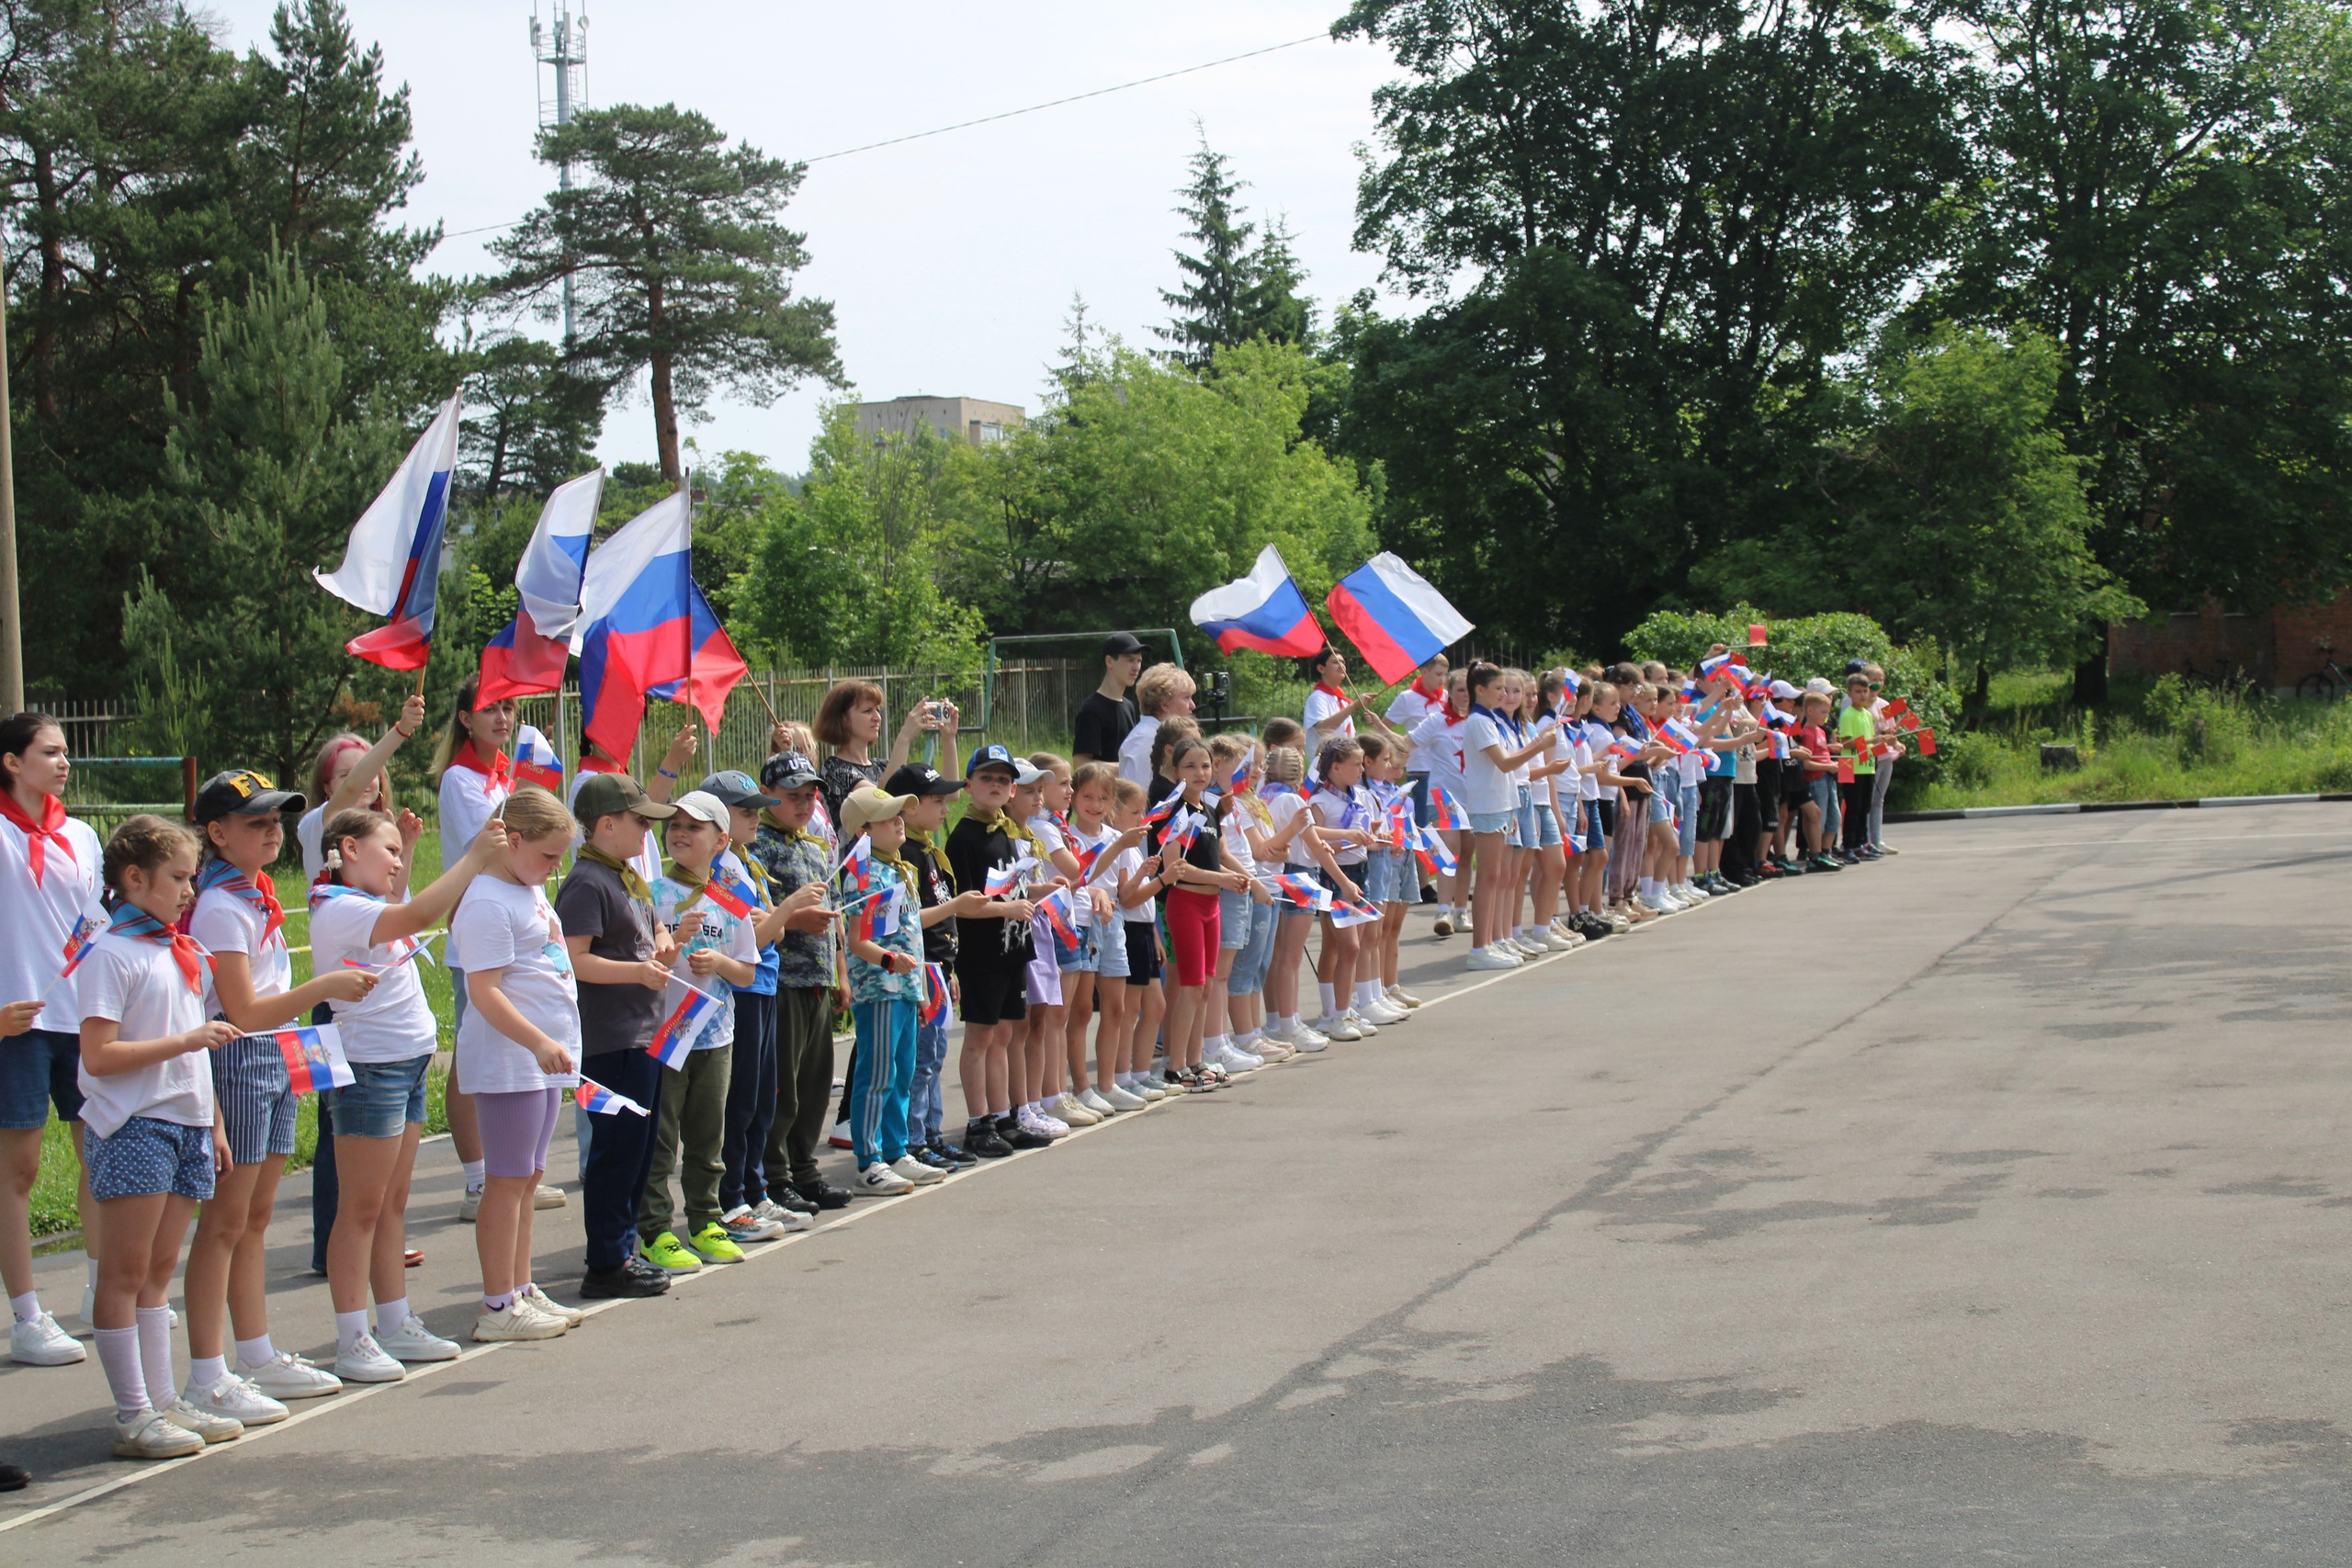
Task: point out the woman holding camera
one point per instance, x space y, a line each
849 721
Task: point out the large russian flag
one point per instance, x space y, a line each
1395 617
1264 610
645 629
391 566
529 653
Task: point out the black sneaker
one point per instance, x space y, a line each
980 1140
925 1154
958 1159
15 1478
1824 862
790 1198
633 1279
823 1194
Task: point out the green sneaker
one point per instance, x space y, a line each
664 1253
713 1245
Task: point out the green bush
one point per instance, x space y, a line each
1804 648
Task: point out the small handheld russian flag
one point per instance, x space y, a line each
314 1058
535 761
1430 851
78 942
1346 915
598 1100
727 896
935 996
673 1041
1001 880
1446 812
1303 893
1054 909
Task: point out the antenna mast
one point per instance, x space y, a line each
563 44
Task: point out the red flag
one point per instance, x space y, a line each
1927 738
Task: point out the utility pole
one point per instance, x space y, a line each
564 45
12 629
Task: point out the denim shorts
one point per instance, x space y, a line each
1384 880
1525 813
1660 808
1596 824
1686 821
37 1071
1822 792
1250 966
1503 822
146 1156
1111 950
1082 958
257 1100
382 1099
1547 824
1233 919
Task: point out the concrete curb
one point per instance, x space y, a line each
2084 807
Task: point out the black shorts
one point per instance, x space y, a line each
1143 952
1714 807
1608 819
993 995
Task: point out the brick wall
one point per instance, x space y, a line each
2276 648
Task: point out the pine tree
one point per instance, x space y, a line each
1234 291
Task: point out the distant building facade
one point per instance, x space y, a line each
960 418
2274 649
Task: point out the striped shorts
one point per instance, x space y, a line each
256 1100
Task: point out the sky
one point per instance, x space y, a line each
950 261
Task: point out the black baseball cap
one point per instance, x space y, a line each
242 793
786 770
922 778
1118 645
992 755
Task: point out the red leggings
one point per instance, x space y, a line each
1193 933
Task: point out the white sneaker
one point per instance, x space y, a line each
1492 957
775 1212
1118 1098
548 1198
1069 1110
412 1342
234 1399
149 1435
204 1423
880 1181
518 1319
1442 925
573 1317
839 1137
1658 903
1307 1042
1030 1119
1094 1100
41 1343
1339 1027
1147 1089
1383 1010
365 1362
470 1205
288 1376
1236 1061
915 1171
1364 1026
1269 1050
744 1225
1403 998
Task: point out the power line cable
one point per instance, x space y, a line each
1008 114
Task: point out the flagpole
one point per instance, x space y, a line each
688 481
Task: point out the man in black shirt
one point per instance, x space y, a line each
1108 714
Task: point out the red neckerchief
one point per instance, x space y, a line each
1332 692
598 765
1424 693
133 921
499 771
49 827
1452 713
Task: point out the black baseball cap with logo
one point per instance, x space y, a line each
242 793
922 778
786 770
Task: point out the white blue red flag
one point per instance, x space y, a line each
392 567
690 1013
1395 617
529 654
535 760
598 1100
1303 892
1344 915
1264 610
645 630
314 1057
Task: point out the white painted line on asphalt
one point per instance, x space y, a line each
473 1355
2006 846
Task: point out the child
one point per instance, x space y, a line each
1305 856
1245 918
797 856
1162 693
1195 873
1134 887
941 904
49 877
1890 750
1437 749
388 1038
620 960
885 980
349 772
237 921
1858 739
519 1044
1495 747
1820 782
148 1137
1344 824
474 775
1098 972
992 956
716 951
1389 885
1040 797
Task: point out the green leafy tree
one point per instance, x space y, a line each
681 264
1232 290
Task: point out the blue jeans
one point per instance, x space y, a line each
1686 818
885 1050
926 1101
751 1101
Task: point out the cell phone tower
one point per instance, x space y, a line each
563 44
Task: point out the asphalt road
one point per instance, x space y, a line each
1986 1205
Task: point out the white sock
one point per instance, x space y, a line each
91 1265
348 1328
474 1174
389 1315
255 1352
1323 990
26 1307
118 1354
1212 1047
1368 993
206 1370
155 1355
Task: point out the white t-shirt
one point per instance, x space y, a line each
469 800
1285 809
1134 751
1336 810
1123 868
730 935
515 929
1484 787
34 921
1321 703
1588 785
311 833
224 922
1406 713
137 983
1437 749
1235 837
1540 790
394 1022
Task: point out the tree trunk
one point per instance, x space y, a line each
2091 677
52 287
665 402
1981 698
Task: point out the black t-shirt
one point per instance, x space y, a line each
593 903
838 777
1103 726
974 849
932 889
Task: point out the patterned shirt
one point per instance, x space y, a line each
804 959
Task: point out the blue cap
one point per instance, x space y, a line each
995 754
